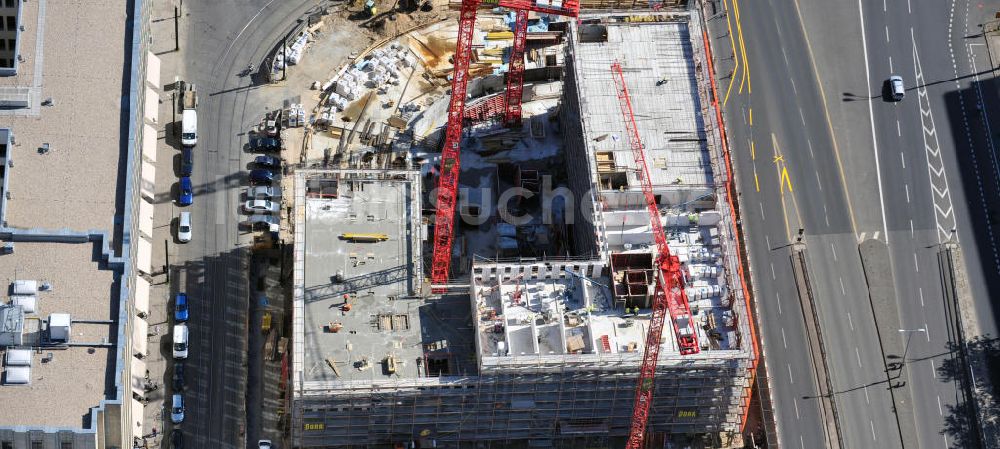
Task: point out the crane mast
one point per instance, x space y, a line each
447 191
668 297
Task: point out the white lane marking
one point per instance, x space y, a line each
842 290
940 411
908 10
911 228
767 240
809 145
832 248
802 117
778 297
826 216
850 322
871 118
820 184
790 378
794 90
802 443
773 277
867 401
946 444
796 404
783 341
933 370
927 332
890 64
920 290
944 219
762 218
873 430
887 33
907 187
858 354
916 266
899 133
884 8
902 159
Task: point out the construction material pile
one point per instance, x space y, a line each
381 68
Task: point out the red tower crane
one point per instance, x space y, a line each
447 192
669 296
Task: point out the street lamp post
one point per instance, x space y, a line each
906 347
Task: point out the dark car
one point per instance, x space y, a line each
264 144
176 439
267 162
178 376
261 176
181 307
187 161
186 196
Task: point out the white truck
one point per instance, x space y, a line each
189 116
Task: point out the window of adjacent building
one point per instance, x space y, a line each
3 44
36 445
8 445
11 23
10 43
66 445
9 3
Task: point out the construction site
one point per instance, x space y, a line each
517 229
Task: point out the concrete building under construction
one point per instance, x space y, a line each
541 351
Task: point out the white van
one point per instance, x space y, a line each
180 341
189 128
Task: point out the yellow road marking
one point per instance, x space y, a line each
751 116
785 178
756 182
743 49
753 151
732 43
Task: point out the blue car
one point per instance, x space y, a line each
186 196
267 162
181 307
187 161
261 176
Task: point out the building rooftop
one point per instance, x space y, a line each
81 125
379 280
64 383
659 71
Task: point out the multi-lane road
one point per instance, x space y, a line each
818 149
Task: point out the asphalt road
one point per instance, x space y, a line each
822 151
218 40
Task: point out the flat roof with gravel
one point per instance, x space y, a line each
73 184
65 171
64 387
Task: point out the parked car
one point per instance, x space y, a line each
177 409
263 223
181 341
176 439
187 161
178 377
264 144
181 307
264 444
261 207
261 176
267 162
184 227
186 196
263 193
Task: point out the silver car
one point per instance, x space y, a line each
184 227
263 193
896 87
261 207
